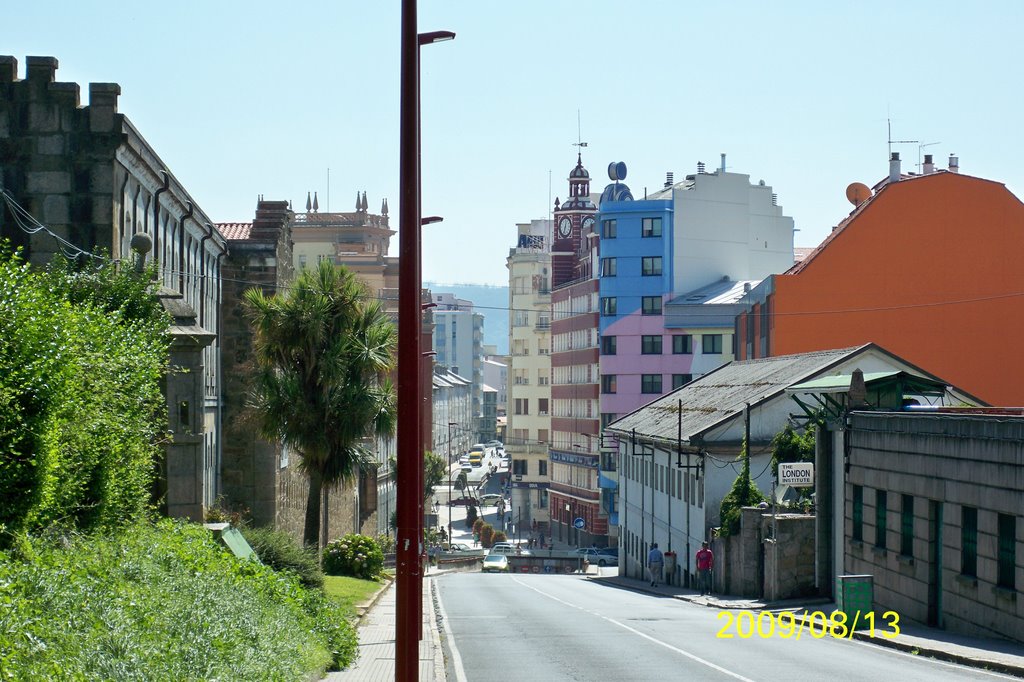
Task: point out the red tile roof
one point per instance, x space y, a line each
235 231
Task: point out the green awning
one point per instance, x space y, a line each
839 383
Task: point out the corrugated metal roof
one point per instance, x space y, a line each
721 394
722 291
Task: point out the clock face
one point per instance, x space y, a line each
588 225
564 227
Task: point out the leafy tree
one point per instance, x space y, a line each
471 516
324 353
435 472
462 482
744 493
790 446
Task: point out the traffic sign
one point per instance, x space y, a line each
579 523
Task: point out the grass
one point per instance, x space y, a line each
350 592
160 602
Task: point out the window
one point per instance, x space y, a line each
609 267
969 541
650 344
679 380
608 383
650 383
609 304
542 499
519 467
608 345
522 406
858 513
650 227
607 418
542 468
302 261
608 229
907 526
650 266
651 305
1007 551
542 408
682 344
712 344
881 500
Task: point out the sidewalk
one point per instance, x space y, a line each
377 642
976 652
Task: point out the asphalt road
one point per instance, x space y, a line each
539 627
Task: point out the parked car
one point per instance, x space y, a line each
460 547
594 556
464 501
464 459
495 563
495 444
490 499
508 549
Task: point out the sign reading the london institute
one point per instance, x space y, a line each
796 474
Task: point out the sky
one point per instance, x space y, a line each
242 99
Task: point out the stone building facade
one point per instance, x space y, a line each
933 507
259 476
88 175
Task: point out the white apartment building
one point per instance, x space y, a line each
529 373
458 341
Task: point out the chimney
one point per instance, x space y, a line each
954 164
669 177
723 162
700 168
929 166
894 167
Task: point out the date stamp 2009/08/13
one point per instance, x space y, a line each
789 625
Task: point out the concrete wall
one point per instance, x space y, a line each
945 462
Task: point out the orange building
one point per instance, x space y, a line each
928 266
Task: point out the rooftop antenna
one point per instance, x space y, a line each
579 136
919 148
892 141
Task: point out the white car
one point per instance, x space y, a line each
497 563
598 558
507 549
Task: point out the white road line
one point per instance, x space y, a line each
668 646
460 673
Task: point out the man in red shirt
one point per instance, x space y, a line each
705 562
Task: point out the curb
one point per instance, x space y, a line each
367 606
440 671
939 654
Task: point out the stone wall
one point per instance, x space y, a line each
745 564
789 561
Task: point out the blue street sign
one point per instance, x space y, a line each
579 522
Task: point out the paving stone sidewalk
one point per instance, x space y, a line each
377 642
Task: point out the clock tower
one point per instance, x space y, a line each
573 224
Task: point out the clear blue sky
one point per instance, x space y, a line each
249 98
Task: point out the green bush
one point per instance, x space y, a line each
161 602
82 357
486 535
281 551
744 493
355 555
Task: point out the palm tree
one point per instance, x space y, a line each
324 353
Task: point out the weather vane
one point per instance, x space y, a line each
579 136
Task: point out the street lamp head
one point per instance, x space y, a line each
430 219
435 37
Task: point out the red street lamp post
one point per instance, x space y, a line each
409 549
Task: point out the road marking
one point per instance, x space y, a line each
460 674
668 646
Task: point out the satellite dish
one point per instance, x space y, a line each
857 193
617 171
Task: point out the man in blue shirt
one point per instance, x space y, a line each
655 563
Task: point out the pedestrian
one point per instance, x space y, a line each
655 562
705 562
542 540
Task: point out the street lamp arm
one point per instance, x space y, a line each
435 37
